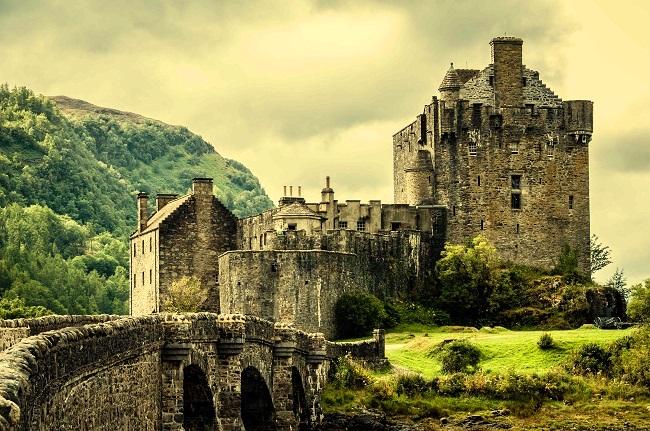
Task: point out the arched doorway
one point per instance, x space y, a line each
257 412
198 407
299 400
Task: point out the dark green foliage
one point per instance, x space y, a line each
567 266
16 308
459 356
411 384
52 262
358 313
350 374
412 312
589 358
638 310
545 341
630 358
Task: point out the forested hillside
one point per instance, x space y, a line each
68 179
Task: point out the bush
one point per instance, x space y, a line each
638 309
350 374
545 341
185 295
589 358
459 356
411 384
358 313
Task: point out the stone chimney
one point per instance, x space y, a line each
163 199
202 186
143 201
508 78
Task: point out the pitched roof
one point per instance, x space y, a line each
158 217
296 209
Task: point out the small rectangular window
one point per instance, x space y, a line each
517 228
143 278
514 147
343 225
482 224
394 226
150 276
135 248
292 226
523 81
571 202
515 182
453 210
515 201
361 226
478 180
134 280
472 148
142 246
150 245
491 80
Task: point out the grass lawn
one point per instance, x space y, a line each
503 350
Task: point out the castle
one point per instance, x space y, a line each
498 154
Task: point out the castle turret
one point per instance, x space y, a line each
507 80
579 120
143 201
450 86
419 180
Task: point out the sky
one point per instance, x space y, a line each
298 90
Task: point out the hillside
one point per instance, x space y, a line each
69 173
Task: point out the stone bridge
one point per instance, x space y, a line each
164 372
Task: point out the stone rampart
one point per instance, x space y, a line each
109 372
14 330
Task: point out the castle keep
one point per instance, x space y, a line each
505 156
498 154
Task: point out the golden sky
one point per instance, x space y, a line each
297 90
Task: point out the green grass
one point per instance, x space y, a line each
503 350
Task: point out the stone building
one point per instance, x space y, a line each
498 154
506 156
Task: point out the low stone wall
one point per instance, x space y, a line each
14 330
367 350
102 376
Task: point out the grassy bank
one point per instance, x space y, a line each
503 350
518 385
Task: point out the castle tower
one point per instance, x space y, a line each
509 160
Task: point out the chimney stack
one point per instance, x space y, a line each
163 199
202 186
508 71
143 201
299 191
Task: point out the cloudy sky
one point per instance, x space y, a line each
298 90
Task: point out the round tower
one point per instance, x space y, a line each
450 86
419 180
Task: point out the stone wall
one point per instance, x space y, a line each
103 376
14 330
296 287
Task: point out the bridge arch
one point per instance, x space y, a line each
257 410
198 401
300 410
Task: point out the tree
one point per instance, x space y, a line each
600 254
619 282
358 313
467 276
185 295
638 309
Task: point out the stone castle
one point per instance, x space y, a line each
498 154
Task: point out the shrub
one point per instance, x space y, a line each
545 341
411 384
589 358
639 307
185 295
358 313
350 374
459 356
